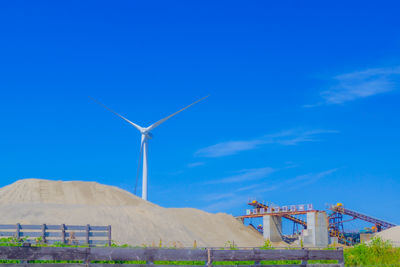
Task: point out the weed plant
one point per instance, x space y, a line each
375 253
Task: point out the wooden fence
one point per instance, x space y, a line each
66 234
150 256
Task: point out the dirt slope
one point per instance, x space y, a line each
133 220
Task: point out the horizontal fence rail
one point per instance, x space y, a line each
150 256
65 234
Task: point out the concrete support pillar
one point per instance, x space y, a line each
316 234
272 227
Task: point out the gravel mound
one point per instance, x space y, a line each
134 221
391 234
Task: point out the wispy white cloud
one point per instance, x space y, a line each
226 201
303 180
225 205
247 188
216 197
294 183
286 138
245 175
195 164
228 148
360 84
294 137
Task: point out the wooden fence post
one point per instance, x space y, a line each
25 261
341 260
87 234
109 235
17 231
86 261
209 259
44 233
63 233
149 256
256 262
304 262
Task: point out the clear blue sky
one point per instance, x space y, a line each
303 106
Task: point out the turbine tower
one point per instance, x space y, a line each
146 135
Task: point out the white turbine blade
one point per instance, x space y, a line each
154 125
104 106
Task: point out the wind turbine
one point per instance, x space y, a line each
146 135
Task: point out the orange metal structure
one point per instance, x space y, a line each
335 226
285 214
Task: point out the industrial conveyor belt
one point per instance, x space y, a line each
379 223
259 205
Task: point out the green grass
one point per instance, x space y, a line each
375 253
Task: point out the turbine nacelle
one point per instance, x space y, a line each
148 135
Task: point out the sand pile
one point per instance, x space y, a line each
391 234
133 220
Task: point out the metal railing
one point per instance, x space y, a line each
64 234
